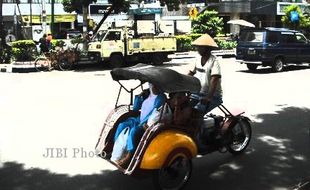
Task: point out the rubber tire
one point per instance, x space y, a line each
38 64
64 65
278 65
252 67
116 61
157 174
158 59
235 152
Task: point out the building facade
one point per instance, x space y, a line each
37 13
262 13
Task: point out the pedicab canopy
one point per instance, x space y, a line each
166 79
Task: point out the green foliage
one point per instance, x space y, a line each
208 22
23 50
77 40
26 50
121 5
184 42
76 5
5 54
226 45
304 22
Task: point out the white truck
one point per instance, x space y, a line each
118 46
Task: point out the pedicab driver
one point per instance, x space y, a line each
207 70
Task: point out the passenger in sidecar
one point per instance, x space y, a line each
146 105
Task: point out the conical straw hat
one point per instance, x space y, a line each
205 40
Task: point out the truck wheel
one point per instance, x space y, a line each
252 67
278 65
116 60
158 59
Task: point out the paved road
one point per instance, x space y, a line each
65 110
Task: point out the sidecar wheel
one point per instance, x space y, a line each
175 175
240 137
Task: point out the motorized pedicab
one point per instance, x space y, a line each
167 148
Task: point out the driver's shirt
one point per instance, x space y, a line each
204 73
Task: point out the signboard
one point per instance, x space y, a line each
294 17
9 39
145 11
97 9
281 6
146 27
36 19
193 12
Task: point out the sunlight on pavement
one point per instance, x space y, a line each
272 141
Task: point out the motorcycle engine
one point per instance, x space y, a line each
209 129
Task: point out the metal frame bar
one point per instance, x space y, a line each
127 90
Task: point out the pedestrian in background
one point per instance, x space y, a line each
49 41
43 44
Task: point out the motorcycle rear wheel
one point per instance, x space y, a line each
241 135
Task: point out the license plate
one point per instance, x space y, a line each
251 51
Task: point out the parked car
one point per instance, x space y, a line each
275 47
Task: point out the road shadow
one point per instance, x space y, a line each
13 176
91 67
278 157
268 70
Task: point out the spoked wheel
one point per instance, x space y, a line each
42 64
175 175
240 137
64 65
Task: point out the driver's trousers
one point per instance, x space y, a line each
205 108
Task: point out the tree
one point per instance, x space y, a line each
303 21
79 6
172 4
208 22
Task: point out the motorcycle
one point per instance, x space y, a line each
166 149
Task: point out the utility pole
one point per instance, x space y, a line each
30 4
43 17
53 16
85 10
15 23
2 41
